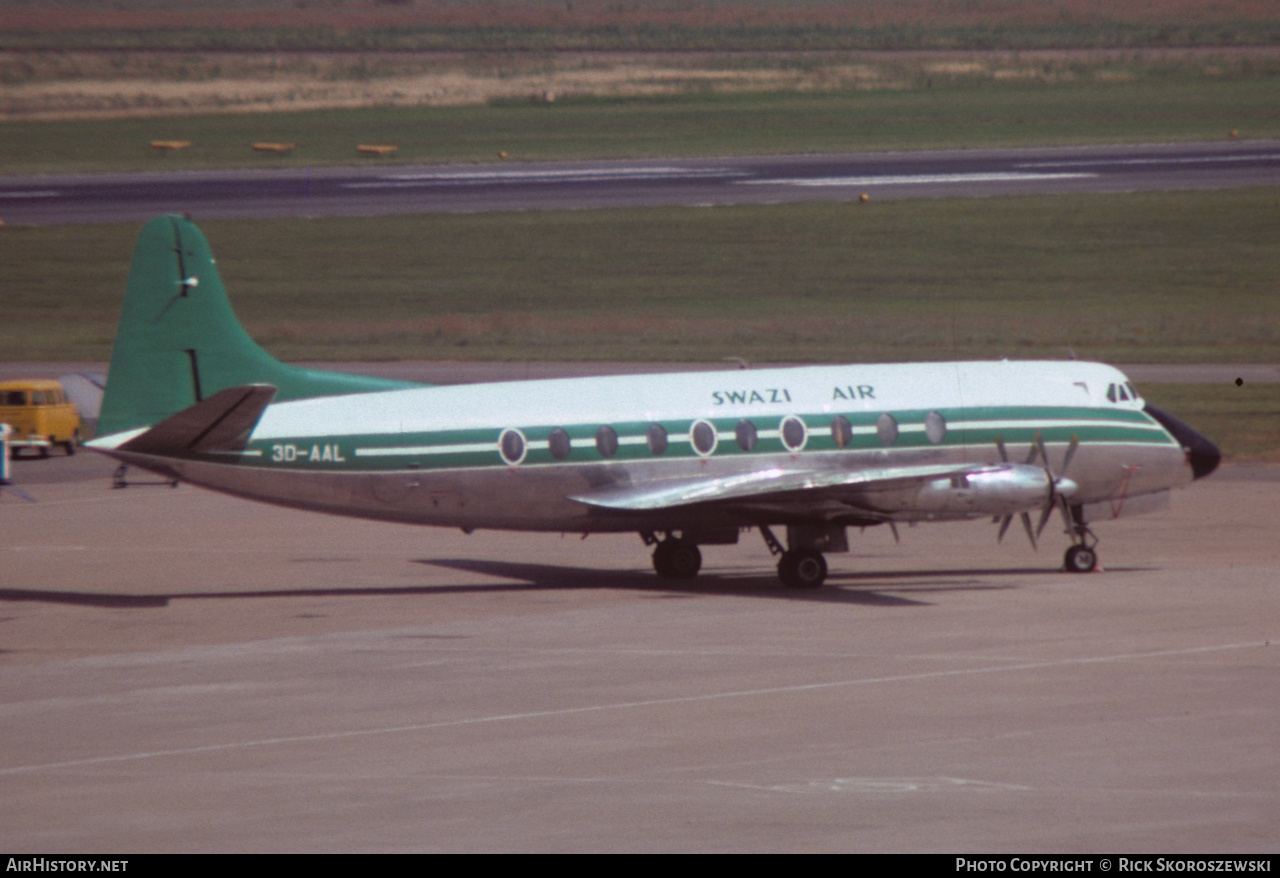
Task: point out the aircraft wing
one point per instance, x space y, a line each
764 485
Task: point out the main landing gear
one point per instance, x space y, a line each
797 568
675 558
679 558
802 568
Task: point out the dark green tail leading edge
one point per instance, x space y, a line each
179 342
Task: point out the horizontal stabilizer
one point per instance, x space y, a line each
759 485
222 422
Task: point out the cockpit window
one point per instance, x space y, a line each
1122 392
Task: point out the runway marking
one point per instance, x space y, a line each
1180 160
622 705
916 179
44 504
873 785
35 193
563 175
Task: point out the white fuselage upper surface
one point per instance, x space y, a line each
763 393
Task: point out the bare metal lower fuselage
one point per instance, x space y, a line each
536 498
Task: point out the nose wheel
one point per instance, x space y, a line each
1080 559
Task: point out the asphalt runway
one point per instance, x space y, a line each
182 671
399 189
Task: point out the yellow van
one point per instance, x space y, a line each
40 416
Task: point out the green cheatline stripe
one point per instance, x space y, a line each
452 449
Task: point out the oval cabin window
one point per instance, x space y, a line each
607 441
703 436
935 427
841 431
794 433
558 444
887 429
511 446
657 438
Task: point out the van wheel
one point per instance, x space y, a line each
70 444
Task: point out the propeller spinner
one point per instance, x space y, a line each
1060 488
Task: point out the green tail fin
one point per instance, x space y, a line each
179 341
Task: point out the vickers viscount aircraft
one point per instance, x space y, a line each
681 459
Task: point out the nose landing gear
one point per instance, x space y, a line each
1080 559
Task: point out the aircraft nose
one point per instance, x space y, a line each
1203 455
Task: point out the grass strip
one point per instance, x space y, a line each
1243 421
1142 277
928 111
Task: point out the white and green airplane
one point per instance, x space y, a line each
683 459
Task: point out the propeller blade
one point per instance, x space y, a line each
1071 452
1004 453
1044 517
1044 454
1026 524
1004 526
893 527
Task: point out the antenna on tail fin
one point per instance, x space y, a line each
179 342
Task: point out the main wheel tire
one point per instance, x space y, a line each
802 568
677 559
1080 559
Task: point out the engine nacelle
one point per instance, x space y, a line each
1003 489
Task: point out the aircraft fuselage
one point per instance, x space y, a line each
554 455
